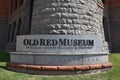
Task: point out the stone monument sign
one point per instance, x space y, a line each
66 35
59 44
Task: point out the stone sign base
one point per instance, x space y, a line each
58 70
29 62
52 59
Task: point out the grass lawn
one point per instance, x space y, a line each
114 74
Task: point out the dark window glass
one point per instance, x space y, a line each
13 32
21 2
11 6
106 29
19 26
9 33
15 4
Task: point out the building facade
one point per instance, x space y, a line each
114 22
17 19
4 12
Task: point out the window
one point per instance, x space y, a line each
106 29
15 4
13 32
19 26
11 6
21 2
9 33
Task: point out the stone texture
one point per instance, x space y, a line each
72 17
66 12
28 59
95 59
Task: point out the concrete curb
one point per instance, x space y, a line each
58 68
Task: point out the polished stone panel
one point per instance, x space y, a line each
58 59
59 44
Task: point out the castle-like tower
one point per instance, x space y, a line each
64 35
106 23
71 17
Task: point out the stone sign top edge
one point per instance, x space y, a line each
35 53
56 35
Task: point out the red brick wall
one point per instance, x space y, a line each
114 19
4 7
114 2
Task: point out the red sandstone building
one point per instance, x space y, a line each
15 19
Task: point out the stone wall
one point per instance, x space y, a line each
73 17
66 17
